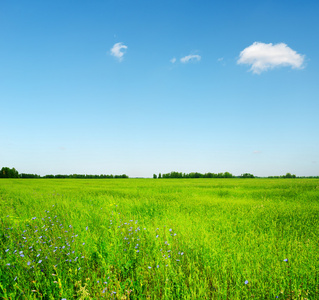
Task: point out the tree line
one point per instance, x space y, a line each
220 175
6 172
193 175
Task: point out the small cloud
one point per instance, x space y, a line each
220 59
263 57
257 152
173 60
62 148
117 52
190 58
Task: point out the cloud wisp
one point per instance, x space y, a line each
263 57
173 60
117 52
190 58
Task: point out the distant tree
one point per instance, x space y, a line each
23 175
48 176
247 175
154 176
6 172
228 175
288 175
159 175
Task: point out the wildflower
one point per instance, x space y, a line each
34 218
246 282
15 278
157 236
157 266
8 264
83 244
79 268
286 259
29 262
170 229
38 255
137 251
40 261
150 267
7 250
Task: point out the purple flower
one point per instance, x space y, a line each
286 259
246 282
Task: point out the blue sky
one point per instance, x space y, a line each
241 96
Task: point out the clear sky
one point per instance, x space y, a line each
142 87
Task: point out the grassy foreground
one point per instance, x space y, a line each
159 239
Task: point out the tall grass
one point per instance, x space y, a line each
159 239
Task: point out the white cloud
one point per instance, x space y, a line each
220 59
116 51
173 60
189 58
262 57
257 152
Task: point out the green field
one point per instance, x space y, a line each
159 239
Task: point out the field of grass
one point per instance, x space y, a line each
159 239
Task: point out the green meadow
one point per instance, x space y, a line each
159 239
